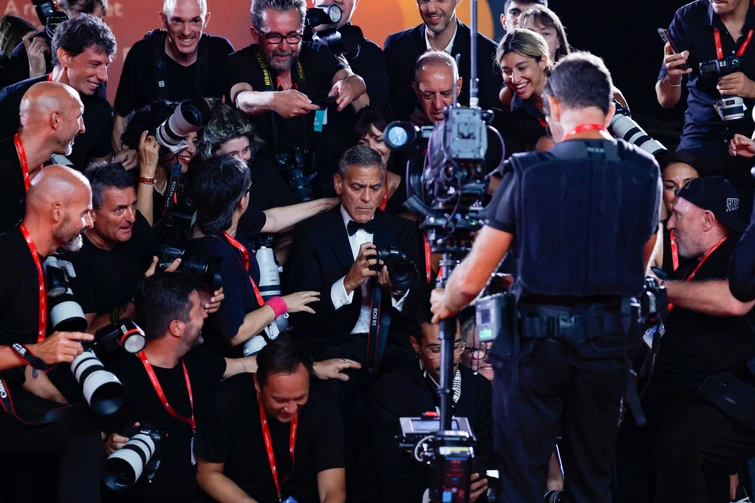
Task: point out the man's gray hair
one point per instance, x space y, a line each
360 155
170 5
259 6
435 57
227 123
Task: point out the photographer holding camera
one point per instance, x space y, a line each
82 50
697 441
118 251
221 187
50 116
248 442
282 80
412 391
173 63
170 383
714 40
560 356
35 419
32 57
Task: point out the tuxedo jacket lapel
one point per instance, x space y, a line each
335 235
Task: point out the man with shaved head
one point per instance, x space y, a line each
82 50
436 83
50 119
35 418
172 63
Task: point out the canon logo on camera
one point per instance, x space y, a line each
3 393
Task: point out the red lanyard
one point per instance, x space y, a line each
41 278
700 264
428 258
719 49
674 251
161 394
269 443
247 264
542 122
584 127
24 163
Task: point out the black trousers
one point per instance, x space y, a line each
553 392
74 439
688 456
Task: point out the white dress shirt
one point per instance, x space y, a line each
450 44
338 291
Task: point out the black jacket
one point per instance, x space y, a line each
408 393
321 256
403 49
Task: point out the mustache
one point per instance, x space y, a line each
282 54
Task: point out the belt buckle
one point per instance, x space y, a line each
567 324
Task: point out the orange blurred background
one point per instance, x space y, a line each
131 19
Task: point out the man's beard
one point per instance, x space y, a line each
69 239
282 66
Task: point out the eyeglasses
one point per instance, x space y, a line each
274 38
433 350
248 190
477 352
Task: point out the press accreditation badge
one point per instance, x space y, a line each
193 457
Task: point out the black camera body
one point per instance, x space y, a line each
325 15
401 270
206 271
720 67
345 40
65 313
294 167
140 455
49 16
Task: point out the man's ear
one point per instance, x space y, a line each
415 344
554 108
176 328
163 20
709 220
206 20
338 183
57 212
63 57
415 86
609 115
56 119
255 35
459 83
257 384
503 20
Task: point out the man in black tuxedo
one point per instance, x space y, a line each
440 30
335 254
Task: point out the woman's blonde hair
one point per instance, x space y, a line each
544 16
525 42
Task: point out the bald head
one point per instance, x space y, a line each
44 99
436 83
56 185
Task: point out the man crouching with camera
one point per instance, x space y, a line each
698 432
168 385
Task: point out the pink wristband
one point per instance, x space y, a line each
278 304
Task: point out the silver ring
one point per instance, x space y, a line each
41 50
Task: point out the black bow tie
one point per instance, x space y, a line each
369 227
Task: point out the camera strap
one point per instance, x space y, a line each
247 262
170 195
6 401
30 358
161 394
298 81
719 48
688 277
161 66
22 159
428 257
377 336
269 445
41 278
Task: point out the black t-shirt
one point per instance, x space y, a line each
13 190
240 299
319 65
269 189
231 433
139 83
525 126
98 121
175 481
106 279
697 345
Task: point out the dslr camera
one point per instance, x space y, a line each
623 126
401 270
325 15
140 455
729 108
65 313
204 270
50 16
294 168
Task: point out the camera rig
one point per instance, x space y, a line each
447 192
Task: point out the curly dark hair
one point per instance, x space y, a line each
78 34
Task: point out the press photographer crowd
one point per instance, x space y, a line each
314 270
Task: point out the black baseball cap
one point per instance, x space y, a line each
717 195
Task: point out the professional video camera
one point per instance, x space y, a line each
623 126
293 167
50 16
448 192
401 270
204 270
141 454
729 108
102 390
66 314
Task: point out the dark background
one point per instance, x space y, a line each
625 35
